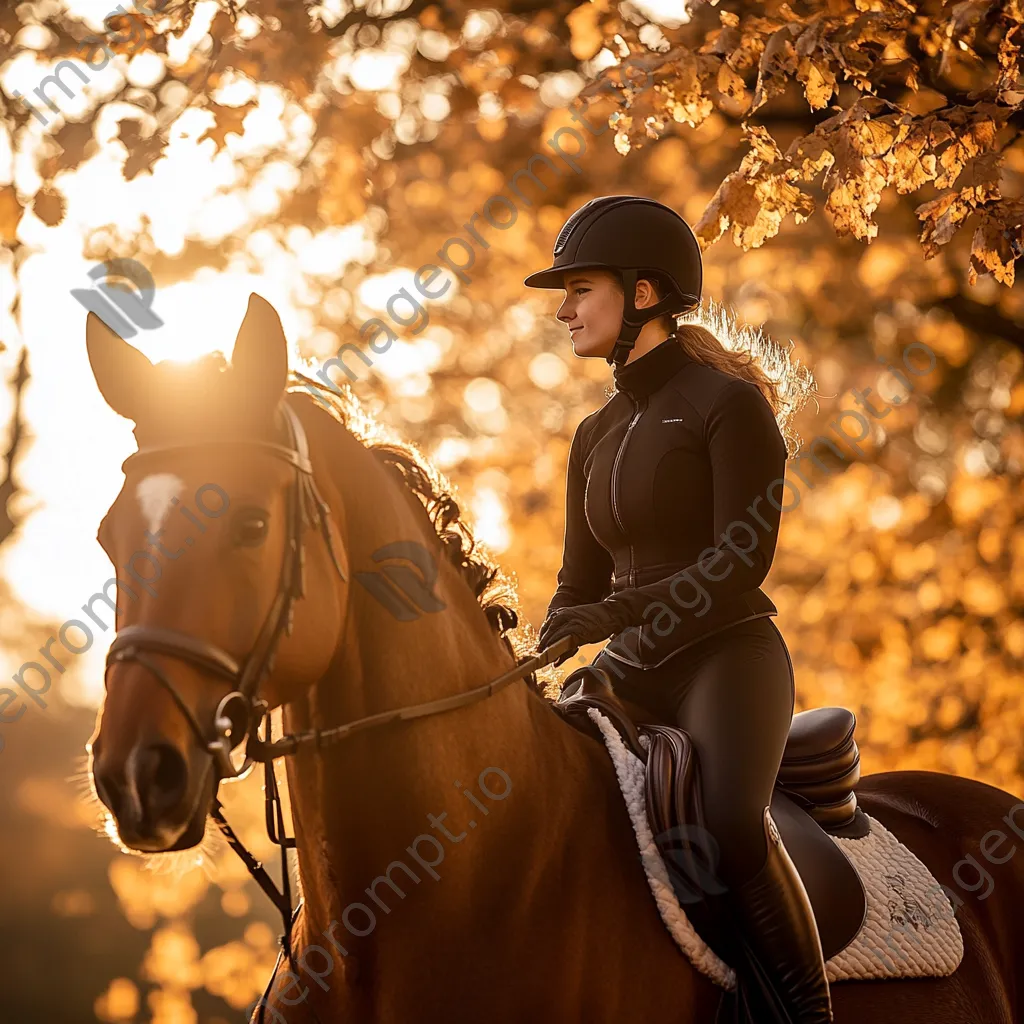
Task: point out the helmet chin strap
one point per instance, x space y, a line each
633 319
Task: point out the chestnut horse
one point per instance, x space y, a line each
473 865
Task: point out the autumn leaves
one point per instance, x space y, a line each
932 102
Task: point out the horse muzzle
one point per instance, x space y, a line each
158 795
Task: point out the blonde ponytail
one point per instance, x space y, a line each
710 336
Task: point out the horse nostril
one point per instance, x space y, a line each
161 778
109 789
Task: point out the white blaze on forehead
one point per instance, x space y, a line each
155 494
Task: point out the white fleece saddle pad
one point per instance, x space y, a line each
910 930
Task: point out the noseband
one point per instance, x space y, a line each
238 714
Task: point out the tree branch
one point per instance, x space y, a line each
984 319
7 487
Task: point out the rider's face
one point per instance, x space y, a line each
592 310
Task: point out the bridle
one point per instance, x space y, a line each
239 713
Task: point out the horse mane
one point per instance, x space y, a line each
495 591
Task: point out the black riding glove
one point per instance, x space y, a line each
588 623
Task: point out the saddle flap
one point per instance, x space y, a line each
670 791
832 883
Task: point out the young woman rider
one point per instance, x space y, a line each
672 514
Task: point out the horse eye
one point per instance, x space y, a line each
250 527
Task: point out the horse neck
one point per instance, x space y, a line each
358 806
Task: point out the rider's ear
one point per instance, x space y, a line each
259 362
645 293
122 372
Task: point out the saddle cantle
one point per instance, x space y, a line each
821 765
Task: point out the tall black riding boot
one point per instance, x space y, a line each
783 971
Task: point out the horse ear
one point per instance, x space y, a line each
259 361
122 372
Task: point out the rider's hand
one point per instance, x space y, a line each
588 623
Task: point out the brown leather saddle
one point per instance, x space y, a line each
813 797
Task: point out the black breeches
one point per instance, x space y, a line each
733 693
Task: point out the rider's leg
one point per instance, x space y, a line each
737 705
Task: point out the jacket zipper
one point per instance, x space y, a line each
631 578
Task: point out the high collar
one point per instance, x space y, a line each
645 375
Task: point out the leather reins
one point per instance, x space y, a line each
238 714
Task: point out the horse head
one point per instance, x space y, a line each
208 536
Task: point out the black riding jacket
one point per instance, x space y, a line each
673 498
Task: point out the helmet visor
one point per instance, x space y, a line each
554 277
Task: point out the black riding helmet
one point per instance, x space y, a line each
635 237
